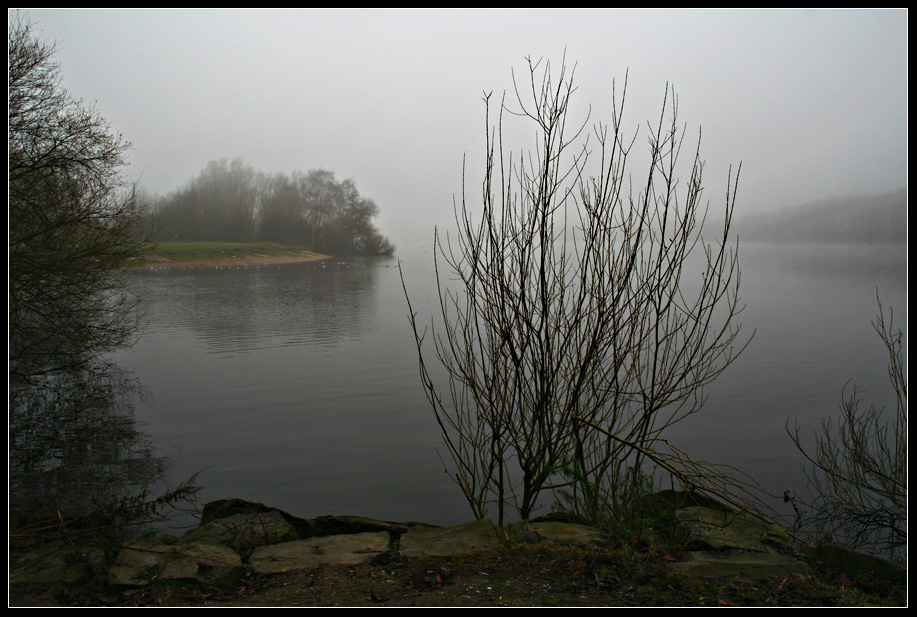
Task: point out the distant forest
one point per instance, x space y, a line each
865 218
232 202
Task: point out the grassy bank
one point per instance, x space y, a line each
165 254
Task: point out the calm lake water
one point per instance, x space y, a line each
297 385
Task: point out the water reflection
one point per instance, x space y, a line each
846 263
297 385
75 445
238 310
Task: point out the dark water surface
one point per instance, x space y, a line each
297 385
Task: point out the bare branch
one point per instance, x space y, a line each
74 221
574 313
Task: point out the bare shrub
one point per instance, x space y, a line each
570 310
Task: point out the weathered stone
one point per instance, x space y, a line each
305 528
244 532
143 561
741 565
725 530
336 525
746 547
569 533
464 539
331 550
225 508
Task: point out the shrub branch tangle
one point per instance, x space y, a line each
576 307
73 220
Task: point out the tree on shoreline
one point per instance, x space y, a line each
74 220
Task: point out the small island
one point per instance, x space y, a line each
231 202
184 254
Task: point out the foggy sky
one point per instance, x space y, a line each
812 103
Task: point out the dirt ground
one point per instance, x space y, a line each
531 577
519 576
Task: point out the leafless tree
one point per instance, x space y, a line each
73 219
859 468
570 305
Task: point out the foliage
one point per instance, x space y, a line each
576 335
230 201
859 467
74 221
217 204
623 515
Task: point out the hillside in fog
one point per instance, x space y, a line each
860 218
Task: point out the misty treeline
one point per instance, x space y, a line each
860 218
230 201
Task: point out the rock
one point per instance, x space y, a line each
724 530
244 532
331 550
569 533
744 547
227 508
271 541
305 528
560 516
741 565
143 561
464 539
336 525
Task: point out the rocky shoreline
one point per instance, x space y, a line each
236 536
237 539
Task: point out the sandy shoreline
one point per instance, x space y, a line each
157 262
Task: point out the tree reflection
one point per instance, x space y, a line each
75 445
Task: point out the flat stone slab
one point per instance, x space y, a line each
346 549
725 530
464 539
143 561
569 533
244 532
741 565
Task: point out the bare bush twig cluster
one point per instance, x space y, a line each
579 306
